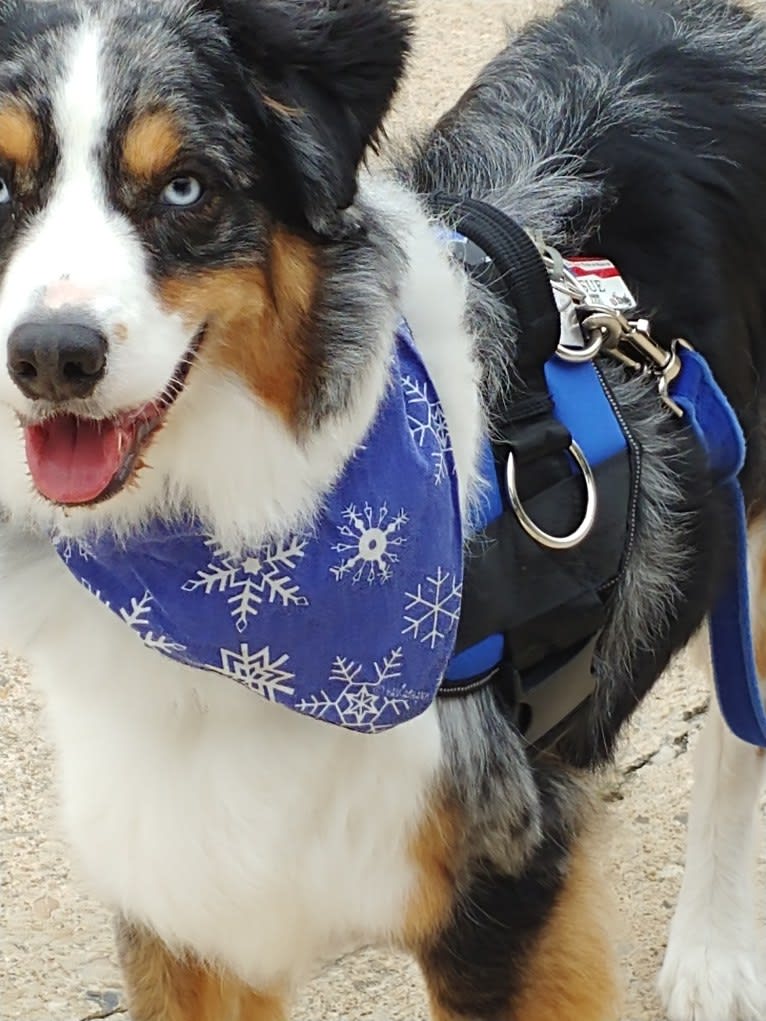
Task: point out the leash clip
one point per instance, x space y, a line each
665 365
643 353
594 327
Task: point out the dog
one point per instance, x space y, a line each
202 297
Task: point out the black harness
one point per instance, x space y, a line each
549 605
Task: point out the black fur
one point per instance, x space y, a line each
673 190
319 78
653 117
476 966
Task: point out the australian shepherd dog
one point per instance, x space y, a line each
202 286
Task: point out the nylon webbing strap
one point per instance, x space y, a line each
736 676
517 275
530 615
522 417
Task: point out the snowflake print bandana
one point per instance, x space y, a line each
353 622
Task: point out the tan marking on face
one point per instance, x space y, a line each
19 137
434 849
163 986
151 146
257 320
571 974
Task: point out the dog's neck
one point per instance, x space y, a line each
351 620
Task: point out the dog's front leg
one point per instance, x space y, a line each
535 947
712 969
163 987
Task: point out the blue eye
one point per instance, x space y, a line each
5 192
181 191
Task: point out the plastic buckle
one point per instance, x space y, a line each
541 706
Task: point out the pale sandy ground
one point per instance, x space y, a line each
56 955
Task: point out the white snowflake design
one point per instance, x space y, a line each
95 592
258 671
264 575
137 617
435 608
361 701
68 547
426 418
369 541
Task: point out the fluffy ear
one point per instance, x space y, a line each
323 74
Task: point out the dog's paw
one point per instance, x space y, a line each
710 982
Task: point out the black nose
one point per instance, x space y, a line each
56 360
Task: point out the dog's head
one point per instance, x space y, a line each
176 180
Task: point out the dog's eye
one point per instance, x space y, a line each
5 192
181 191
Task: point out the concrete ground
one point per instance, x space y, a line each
56 954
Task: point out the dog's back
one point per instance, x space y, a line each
637 132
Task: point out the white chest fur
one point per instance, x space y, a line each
264 840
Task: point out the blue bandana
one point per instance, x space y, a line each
352 622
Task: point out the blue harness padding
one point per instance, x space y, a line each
716 427
497 253
581 404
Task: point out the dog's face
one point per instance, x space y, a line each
172 177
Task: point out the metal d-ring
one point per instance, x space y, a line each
543 538
580 354
605 327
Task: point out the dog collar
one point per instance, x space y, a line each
353 621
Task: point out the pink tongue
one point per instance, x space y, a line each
73 460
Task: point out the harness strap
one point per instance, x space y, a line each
505 259
513 270
531 615
510 608
717 429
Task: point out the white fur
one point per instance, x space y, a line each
264 840
79 247
437 325
713 968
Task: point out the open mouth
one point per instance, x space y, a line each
75 460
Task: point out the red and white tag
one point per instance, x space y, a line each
602 283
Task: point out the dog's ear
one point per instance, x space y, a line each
324 74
